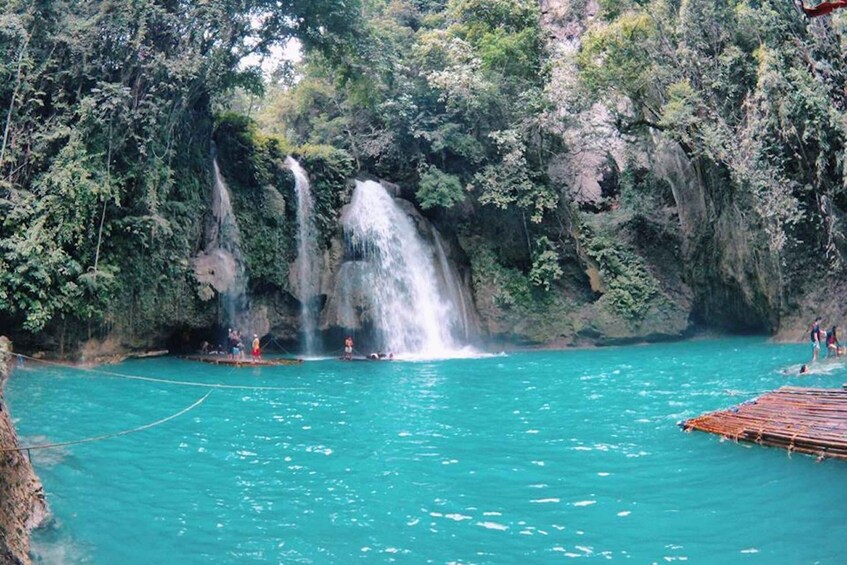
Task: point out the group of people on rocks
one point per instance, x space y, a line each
823 339
235 348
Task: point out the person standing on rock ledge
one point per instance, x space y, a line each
815 337
348 348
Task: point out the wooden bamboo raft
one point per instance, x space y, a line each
224 360
806 420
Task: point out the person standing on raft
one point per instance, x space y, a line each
255 349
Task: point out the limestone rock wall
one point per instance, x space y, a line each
728 283
22 504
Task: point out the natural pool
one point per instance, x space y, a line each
533 457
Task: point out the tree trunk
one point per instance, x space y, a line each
105 200
12 103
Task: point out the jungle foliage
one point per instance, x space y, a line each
106 117
751 88
105 151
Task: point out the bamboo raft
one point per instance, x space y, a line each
803 420
223 360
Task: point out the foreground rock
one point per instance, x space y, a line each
22 504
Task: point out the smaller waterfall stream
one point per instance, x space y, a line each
453 288
221 265
308 257
398 282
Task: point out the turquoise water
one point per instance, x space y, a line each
528 458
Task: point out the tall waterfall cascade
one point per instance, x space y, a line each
308 257
221 266
408 297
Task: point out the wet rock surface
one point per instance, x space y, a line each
22 503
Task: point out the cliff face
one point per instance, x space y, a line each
700 245
22 504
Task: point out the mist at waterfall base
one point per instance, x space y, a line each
526 458
308 259
392 280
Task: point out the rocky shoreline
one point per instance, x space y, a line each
22 503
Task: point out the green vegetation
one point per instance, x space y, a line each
263 195
104 155
253 167
330 171
630 286
511 304
720 125
437 188
748 89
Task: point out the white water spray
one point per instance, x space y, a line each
225 256
398 276
308 257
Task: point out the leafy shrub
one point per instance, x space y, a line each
545 264
437 188
630 285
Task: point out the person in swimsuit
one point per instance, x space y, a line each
832 345
815 337
348 348
232 344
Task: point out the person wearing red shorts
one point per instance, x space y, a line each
256 351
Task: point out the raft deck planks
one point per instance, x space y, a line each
805 420
221 360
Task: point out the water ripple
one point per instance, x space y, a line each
512 459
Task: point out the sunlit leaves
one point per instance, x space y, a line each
545 264
614 58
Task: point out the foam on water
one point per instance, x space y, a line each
432 461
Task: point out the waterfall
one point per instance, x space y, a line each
397 280
224 250
308 257
452 287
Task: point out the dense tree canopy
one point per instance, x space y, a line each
106 110
106 127
445 97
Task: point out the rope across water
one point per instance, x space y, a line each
152 379
196 403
